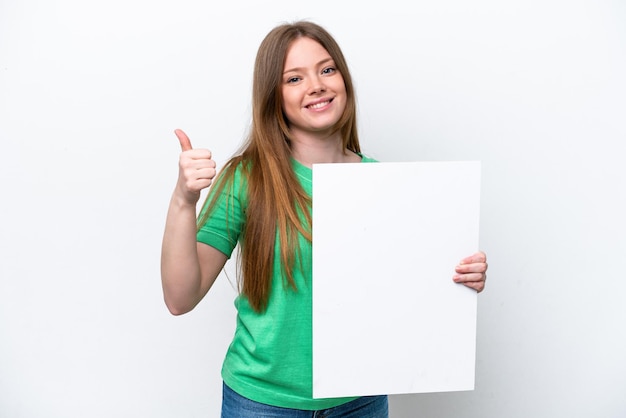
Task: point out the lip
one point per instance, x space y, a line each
327 100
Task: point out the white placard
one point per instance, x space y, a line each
387 317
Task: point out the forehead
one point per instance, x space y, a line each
304 52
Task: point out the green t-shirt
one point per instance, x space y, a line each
270 357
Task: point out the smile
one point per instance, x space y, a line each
319 105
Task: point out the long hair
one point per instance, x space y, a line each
278 208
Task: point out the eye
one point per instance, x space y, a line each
292 80
329 70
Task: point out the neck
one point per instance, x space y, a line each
309 150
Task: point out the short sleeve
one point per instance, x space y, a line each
225 222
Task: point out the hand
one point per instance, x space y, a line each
472 271
196 169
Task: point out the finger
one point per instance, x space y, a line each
185 143
469 278
205 173
471 268
473 281
197 158
199 184
479 257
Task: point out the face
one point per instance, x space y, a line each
313 90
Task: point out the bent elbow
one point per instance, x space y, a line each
177 312
177 309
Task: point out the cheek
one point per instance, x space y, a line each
343 103
284 105
289 108
288 100
340 88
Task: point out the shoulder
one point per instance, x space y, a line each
235 171
231 181
368 159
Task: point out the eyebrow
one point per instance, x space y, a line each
325 60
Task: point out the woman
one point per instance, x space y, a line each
304 112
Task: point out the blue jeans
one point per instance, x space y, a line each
236 406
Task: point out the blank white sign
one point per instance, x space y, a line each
387 317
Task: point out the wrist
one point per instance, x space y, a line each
185 200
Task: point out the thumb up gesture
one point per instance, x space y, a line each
196 170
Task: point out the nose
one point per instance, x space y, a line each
317 85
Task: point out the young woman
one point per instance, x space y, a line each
304 112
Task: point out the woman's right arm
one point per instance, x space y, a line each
188 268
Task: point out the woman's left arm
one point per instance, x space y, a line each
472 271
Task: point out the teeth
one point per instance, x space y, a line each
319 105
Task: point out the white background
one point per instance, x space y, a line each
90 93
